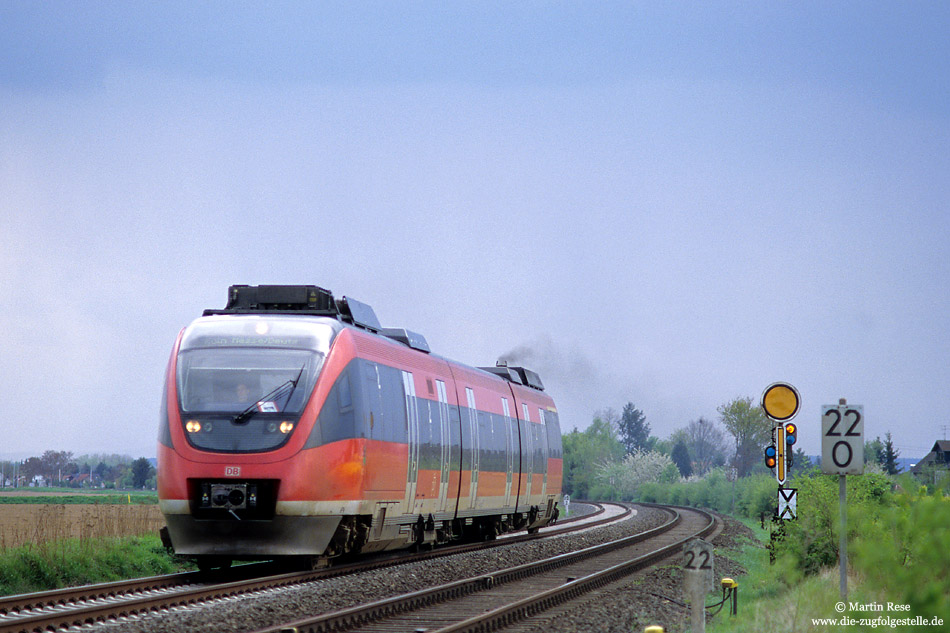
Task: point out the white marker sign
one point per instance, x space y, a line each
842 439
788 503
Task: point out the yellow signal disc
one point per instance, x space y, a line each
780 401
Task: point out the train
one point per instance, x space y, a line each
293 426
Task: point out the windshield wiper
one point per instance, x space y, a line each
273 394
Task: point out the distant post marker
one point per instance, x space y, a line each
698 578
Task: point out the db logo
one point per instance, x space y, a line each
232 471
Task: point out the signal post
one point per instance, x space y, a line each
781 403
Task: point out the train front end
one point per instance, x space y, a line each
242 394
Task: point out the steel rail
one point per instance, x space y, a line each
362 615
106 601
532 605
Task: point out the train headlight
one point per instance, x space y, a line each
286 427
193 426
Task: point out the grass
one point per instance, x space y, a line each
779 598
77 496
74 562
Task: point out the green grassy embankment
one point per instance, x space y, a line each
73 562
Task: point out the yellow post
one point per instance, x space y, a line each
653 629
780 457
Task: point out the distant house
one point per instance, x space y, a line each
939 456
79 480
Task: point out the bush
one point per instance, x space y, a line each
756 495
812 539
903 551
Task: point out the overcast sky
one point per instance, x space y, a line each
671 204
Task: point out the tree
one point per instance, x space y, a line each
750 429
874 451
584 452
32 467
800 461
706 444
141 471
636 469
681 458
890 456
55 464
634 429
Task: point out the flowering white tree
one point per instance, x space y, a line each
636 469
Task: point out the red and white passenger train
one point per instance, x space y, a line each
292 424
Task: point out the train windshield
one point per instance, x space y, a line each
246 380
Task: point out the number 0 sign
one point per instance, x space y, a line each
842 439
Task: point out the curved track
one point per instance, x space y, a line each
493 601
98 603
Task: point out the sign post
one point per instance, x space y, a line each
842 453
698 578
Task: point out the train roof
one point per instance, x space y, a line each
317 301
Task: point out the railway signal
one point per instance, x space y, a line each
781 403
790 430
770 456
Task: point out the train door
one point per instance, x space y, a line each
412 418
527 463
446 443
543 439
473 427
509 450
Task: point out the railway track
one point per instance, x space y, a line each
493 601
78 606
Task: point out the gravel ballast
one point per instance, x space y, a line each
651 597
271 608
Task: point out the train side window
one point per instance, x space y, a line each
344 396
524 410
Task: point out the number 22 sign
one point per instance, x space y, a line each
842 439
